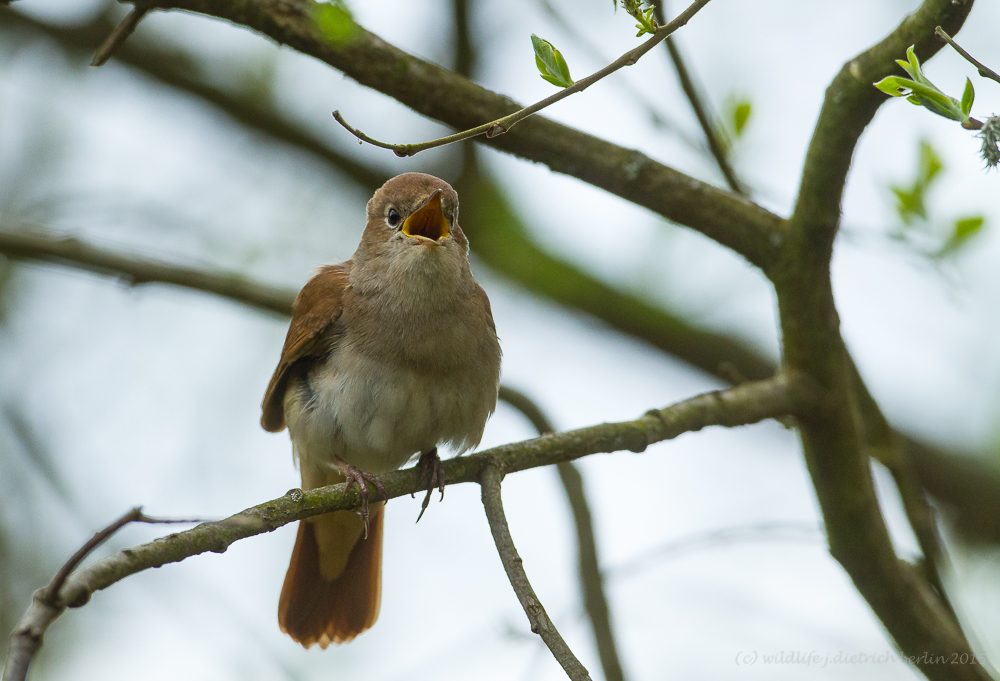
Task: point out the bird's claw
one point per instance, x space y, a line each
356 476
431 470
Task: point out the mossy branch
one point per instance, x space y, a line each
743 405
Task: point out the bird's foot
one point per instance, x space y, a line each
356 476
431 470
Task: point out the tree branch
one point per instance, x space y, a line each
743 405
962 482
45 607
433 91
848 108
120 34
911 611
178 69
36 245
984 70
498 236
701 112
505 123
512 565
595 600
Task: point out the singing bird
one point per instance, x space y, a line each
388 355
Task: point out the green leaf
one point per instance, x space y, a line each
647 24
964 229
740 115
894 86
914 64
551 65
930 164
335 21
967 97
910 203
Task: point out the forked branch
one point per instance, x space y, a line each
748 403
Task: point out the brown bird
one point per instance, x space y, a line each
388 355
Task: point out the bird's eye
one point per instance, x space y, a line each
394 217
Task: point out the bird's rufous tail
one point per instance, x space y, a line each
333 586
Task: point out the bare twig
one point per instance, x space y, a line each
743 405
540 622
26 639
984 70
591 579
120 34
502 125
701 112
37 245
595 600
657 117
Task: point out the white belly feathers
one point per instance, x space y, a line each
377 423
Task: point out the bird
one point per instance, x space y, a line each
388 356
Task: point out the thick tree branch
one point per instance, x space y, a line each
595 600
178 69
512 565
743 405
438 93
36 245
906 604
849 106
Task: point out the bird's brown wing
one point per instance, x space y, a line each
317 307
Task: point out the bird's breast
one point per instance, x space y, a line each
376 415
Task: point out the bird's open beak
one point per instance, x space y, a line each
428 221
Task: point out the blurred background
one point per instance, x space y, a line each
204 145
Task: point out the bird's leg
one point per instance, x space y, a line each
431 470
356 476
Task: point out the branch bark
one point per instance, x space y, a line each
541 624
595 600
45 607
909 608
743 405
69 251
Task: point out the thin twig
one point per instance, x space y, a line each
120 34
26 639
502 125
591 580
512 565
984 71
701 112
656 117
